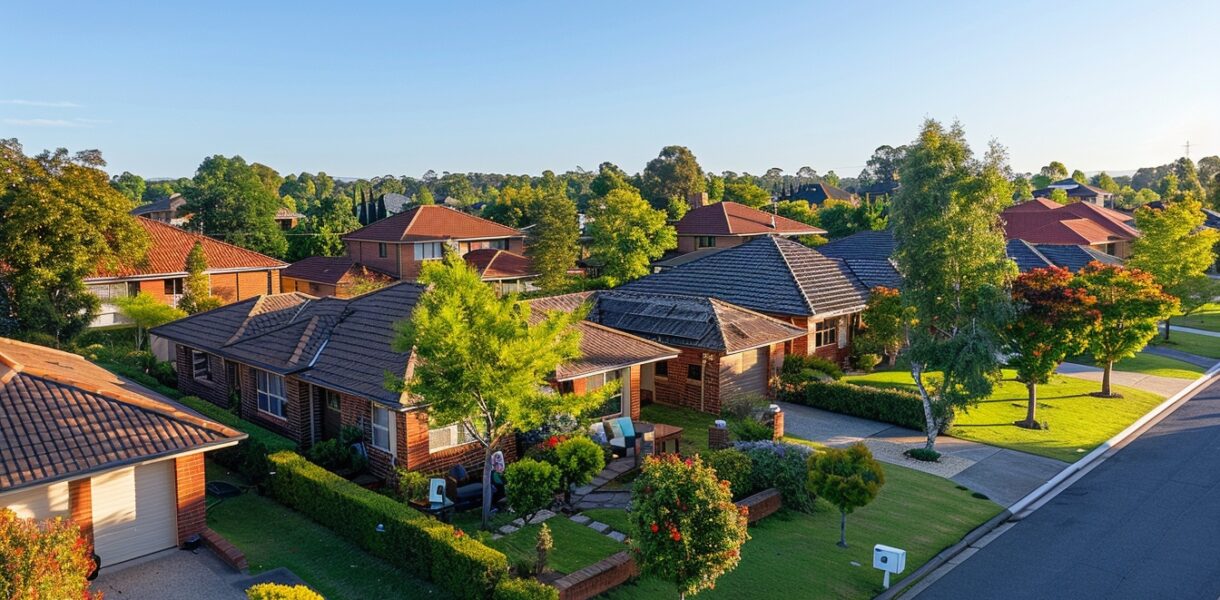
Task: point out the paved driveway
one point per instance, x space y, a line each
182 575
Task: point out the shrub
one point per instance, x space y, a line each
249 457
544 546
530 486
800 368
579 459
279 591
43 560
743 406
524 589
781 466
899 407
339 454
924 454
751 430
686 529
412 485
409 539
734 466
866 361
847 478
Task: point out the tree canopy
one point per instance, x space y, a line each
848 478
626 234
675 173
1130 303
231 201
1177 250
554 239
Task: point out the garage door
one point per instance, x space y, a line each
134 512
744 373
42 502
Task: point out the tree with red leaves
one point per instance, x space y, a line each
48 559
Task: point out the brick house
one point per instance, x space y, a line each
164 210
1077 192
779 278
728 224
1045 222
77 442
328 276
235 273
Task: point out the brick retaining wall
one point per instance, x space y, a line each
597 578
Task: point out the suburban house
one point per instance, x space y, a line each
235 273
728 224
287 218
1077 192
164 210
307 367
506 271
81 444
1044 222
779 278
722 350
328 276
818 193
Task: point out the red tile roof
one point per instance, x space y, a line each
169 245
1079 223
331 270
499 264
1037 204
731 218
431 222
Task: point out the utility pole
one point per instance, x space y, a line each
1187 149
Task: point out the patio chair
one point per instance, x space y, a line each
465 488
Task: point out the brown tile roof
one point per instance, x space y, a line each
287 213
495 264
332 270
431 222
601 348
169 246
62 416
1078 223
731 218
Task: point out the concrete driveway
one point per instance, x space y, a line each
181 575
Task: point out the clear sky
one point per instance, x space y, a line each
362 89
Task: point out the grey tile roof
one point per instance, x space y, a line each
871 245
689 321
874 273
1025 255
771 275
1073 258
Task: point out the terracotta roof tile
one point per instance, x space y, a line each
731 218
169 246
493 264
431 222
1045 222
332 270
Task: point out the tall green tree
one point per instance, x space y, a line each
424 196
554 239
609 177
197 289
847 478
1130 303
60 221
715 188
674 173
627 234
322 230
951 252
229 200
1055 171
1080 177
1105 182
270 178
146 312
747 193
130 185
883 324
837 217
1177 250
1022 190
831 178
483 362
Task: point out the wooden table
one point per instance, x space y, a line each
663 433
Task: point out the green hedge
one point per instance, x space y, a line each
411 540
524 589
273 441
899 407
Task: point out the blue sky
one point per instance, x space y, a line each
364 89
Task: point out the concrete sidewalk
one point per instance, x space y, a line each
1164 386
1003 475
1174 328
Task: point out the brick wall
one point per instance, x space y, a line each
224 286
677 390
634 389
366 253
80 506
295 426
192 504
516 245
255 283
414 446
154 288
214 391
597 578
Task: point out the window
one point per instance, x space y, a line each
694 372
381 250
271 394
429 250
314 288
497 244
705 241
107 292
614 404
448 437
661 369
381 428
332 399
173 287
826 333
199 366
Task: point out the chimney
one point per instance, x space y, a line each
698 200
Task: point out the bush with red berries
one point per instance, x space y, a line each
48 559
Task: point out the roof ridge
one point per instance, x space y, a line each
728 223
791 273
200 237
301 343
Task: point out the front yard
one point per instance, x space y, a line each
1078 421
1207 318
1151 364
1201 345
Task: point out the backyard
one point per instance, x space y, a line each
1078 421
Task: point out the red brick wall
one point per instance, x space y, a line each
634 388
597 578
224 286
154 288
366 253
295 426
255 283
192 503
80 506
414 446
516 245
214 391
676 389
290 284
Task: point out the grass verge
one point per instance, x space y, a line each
1207 317
1200 345
694 424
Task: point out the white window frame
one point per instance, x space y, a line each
453 435
429 250
823 328
596 382
196 373
385 430
269 402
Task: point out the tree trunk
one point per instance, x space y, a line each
1031 413
1105 379
487 452
1166 330
929 416
842 529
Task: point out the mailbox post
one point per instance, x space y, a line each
889 560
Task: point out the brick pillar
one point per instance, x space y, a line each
192 503
717 437
777 424
80 505
634 389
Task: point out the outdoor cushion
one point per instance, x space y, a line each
625 424
616 429
458 472
597 432
469 490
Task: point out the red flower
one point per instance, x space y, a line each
458 533
689 462
654 528
554 441
677 537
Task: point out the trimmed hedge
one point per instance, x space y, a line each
409 539
524 589
899 407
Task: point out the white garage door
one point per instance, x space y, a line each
744 373
134 512
42 502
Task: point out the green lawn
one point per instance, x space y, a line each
1202 345
576 546
616 519
793 555
275 536
1207 318
1078 422
1151 364
694 424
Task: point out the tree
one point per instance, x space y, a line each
543 547
530 486
626 234
744 192
674 173
270 178
321 233
146 312
1177 250
60 221
837 217
848 478
458 187
483 363
676 208
1079 177
715 188
1054 314
229 199
884 165
130 185
579 459
831 178
685 527
951 252
883 324
609 177
1021 189
797 210
48 559
1055 171
1130 303
1105 182
197 289
157 190
515 204
1060 195
424 196
554 240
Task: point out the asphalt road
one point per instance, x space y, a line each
1144 524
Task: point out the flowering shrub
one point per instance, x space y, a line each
686 529
524 589
781 466
43 560
530 486
279 591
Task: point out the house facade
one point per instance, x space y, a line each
235 273
163 210
728 224
81 444
818 193
1077 192
329 276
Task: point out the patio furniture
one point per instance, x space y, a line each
465 488
621 433
664 433
442 510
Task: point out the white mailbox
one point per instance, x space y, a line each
890 560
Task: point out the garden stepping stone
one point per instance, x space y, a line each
541 516
580 519
599 527
496 536
519 522
507 529
618 536
582 490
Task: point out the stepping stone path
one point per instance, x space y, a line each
599 527
518 523
592 496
